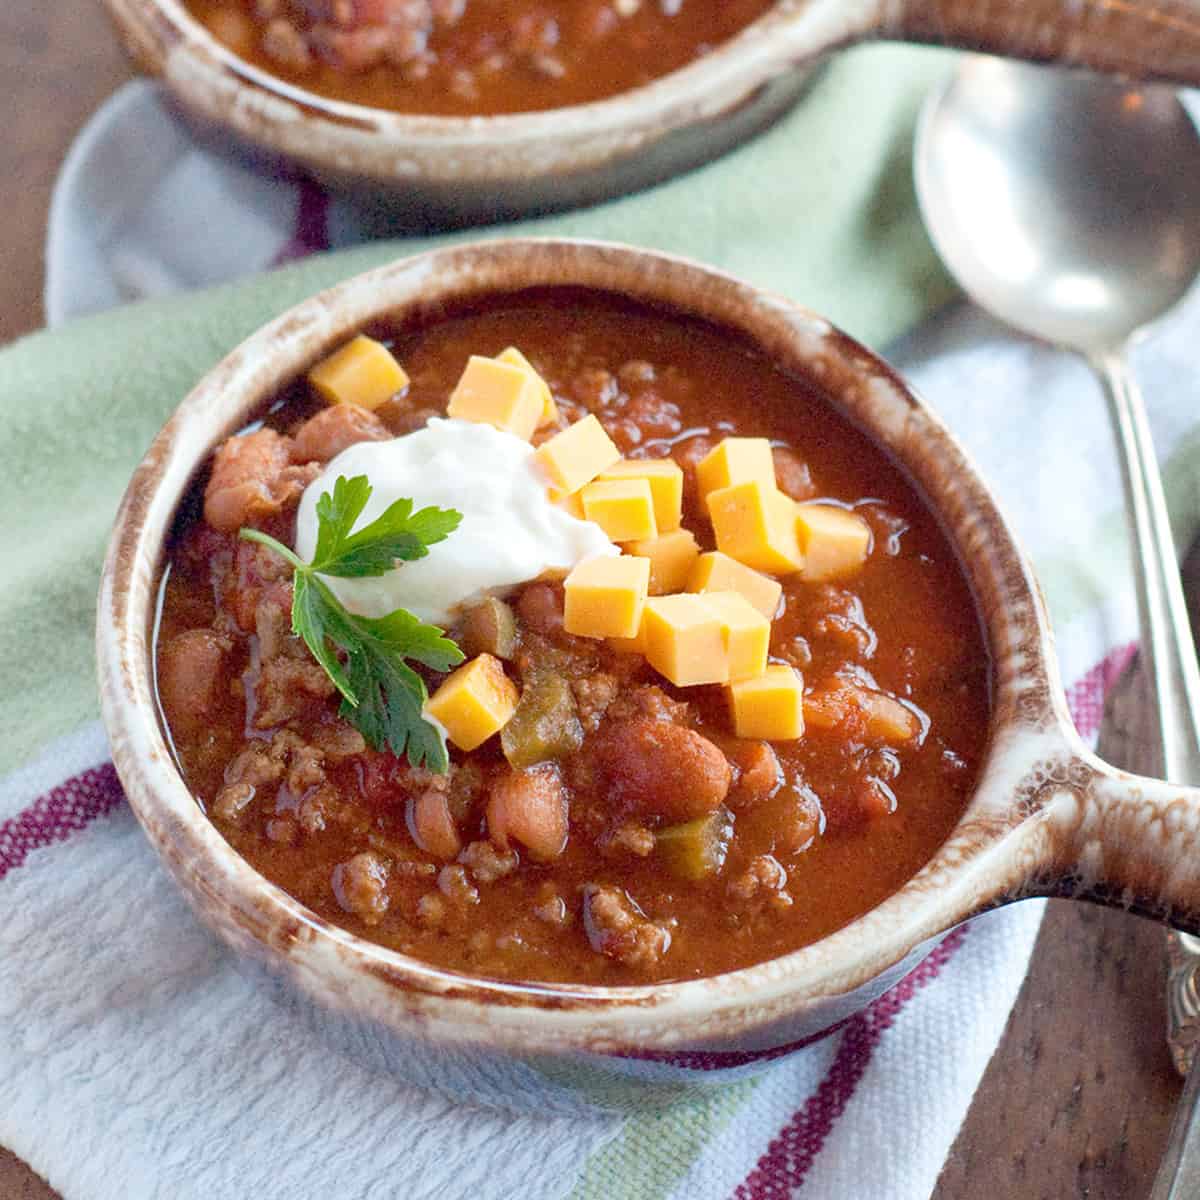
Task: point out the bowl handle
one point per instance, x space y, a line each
1122 840
1140 39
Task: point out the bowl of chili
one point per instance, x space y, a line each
646 884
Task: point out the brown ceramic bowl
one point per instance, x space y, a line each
450 170
1047 817
459 169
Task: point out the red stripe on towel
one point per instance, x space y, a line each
1086 696
51 818
791 1153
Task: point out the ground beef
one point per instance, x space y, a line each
287 688
260 765
618 929
593 695
360 886
651 701
456 887
487 863
844 623
631 838
762 883
338 741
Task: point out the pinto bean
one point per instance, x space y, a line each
530 807
540 607
431 825
327 434
662 770
759 773
190 670
252 478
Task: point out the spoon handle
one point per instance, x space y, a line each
1178 1175
1168 649
1141 39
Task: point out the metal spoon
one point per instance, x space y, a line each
1069 206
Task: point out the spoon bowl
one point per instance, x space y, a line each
1067 205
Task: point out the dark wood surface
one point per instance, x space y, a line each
1078 1099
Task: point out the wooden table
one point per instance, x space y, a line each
1078 1098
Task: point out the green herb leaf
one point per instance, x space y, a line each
337 512
396 535
366 657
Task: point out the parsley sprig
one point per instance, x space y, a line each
366 657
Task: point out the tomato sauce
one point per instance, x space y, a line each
472 57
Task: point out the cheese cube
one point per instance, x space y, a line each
515 358
572 504
362 372
746 631
717 572
605 597
474 702
665 477
684 640
736 460
835 543
576 456
756 524
769 707
632 645
500 394
671 557
623 508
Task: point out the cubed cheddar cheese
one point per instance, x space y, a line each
756 524
515 358
575 457
490 392
631 645
746 631
717 572
671 557
736 460
572 504
362 372
769 707
834 542
623 508
665 477
684 640
605 597
474 702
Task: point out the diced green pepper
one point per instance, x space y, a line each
696 849
545 724
489 627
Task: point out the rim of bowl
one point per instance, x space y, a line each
977 862
164 29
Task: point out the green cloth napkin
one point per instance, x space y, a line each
820 207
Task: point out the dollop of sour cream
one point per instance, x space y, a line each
510 531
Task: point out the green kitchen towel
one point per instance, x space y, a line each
820 207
